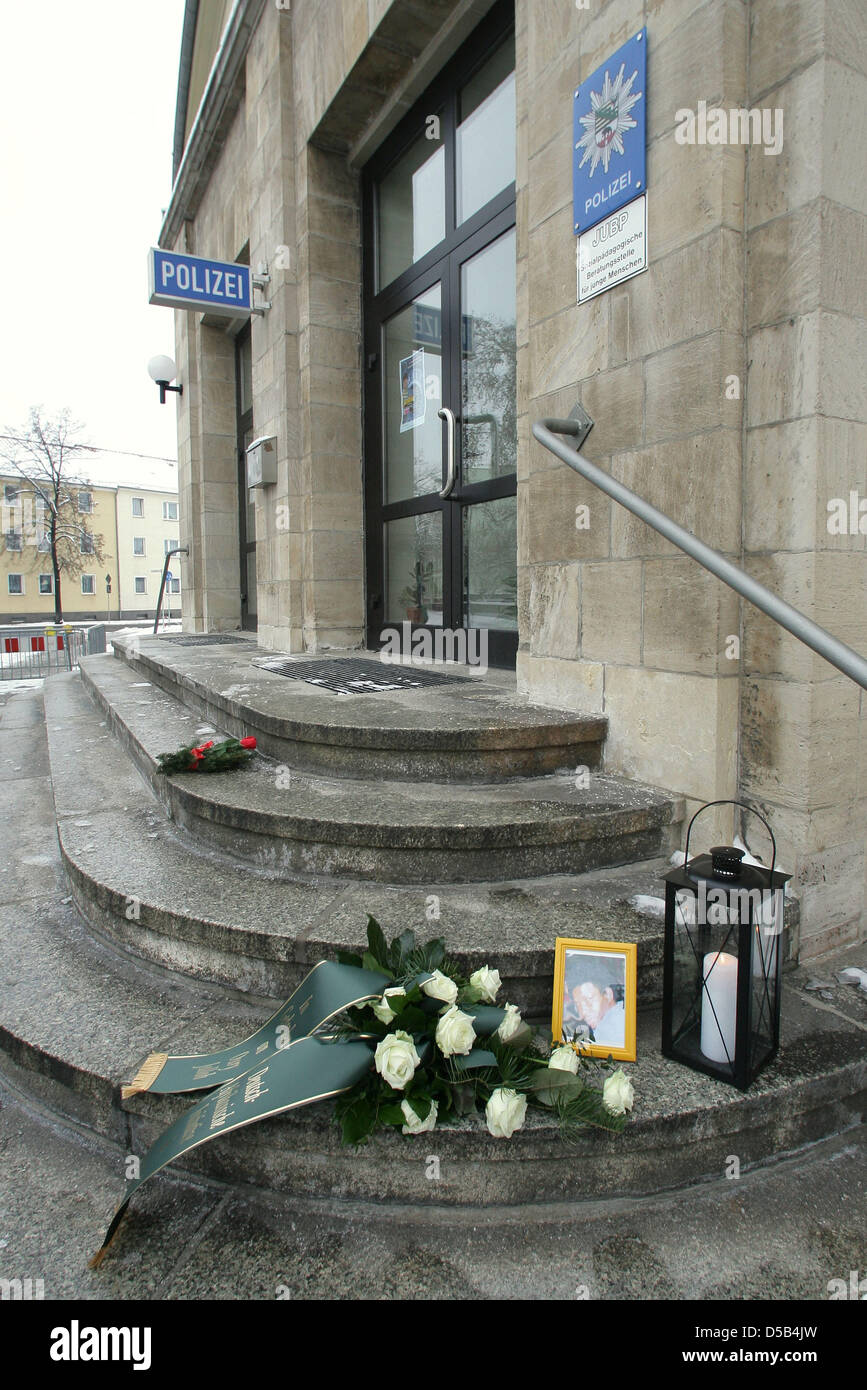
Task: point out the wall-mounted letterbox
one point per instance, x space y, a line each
262 462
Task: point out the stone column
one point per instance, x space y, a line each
613 618
270 133
804 728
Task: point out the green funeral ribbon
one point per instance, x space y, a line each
272 1072
299 1074
327 990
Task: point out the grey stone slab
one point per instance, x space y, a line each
77 1017
21 709
30 864
289 821
477 727
779 1232
21 756
512 926
684 1127
135 878
59 1189
846 1000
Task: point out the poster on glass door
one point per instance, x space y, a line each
413 401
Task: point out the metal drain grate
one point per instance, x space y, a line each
204 639
359 677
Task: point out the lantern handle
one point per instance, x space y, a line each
745 807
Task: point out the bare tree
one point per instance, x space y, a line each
45 455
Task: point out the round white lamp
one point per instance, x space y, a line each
162 370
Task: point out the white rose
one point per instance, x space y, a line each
413 1124
439 986
505 1112
455 1033
382 1011
564 1059
396 1059
617 1093
487 982
511 1024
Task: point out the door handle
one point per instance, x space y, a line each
451 478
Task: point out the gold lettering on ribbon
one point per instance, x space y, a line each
254 1088
221 1109
209 1069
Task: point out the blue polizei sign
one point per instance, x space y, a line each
178 281
609 135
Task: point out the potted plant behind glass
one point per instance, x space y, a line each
413 595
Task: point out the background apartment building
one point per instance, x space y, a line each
125 533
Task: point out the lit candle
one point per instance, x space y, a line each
719 1003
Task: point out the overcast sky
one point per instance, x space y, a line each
87 89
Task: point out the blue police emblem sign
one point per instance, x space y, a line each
609 135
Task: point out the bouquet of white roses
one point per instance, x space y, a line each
442 1048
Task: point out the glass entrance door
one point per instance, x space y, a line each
440 342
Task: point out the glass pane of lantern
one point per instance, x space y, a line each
766 944
705 978
686 983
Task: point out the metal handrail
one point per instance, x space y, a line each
850 662
175 550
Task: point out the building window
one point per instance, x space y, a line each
141 584
138 545
85 501
11 494
13 540
170 511
46 583
169 545
174 586
88 585
43 542
16 583
138 506
86 543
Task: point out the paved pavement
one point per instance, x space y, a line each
781 1232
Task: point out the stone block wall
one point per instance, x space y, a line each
643 631
726 383
803 726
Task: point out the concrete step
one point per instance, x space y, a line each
79 1019
145 885
475 727
201 1239
79 1016
406 831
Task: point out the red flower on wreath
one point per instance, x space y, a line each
248 743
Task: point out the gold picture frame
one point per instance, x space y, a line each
592 1001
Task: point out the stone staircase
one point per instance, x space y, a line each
150 913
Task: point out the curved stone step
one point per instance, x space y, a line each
295 822
142 883
79 1017
476 727
78 1021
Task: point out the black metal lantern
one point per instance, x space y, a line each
722 961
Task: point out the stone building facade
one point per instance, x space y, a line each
727 382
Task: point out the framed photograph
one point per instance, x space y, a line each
594 996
